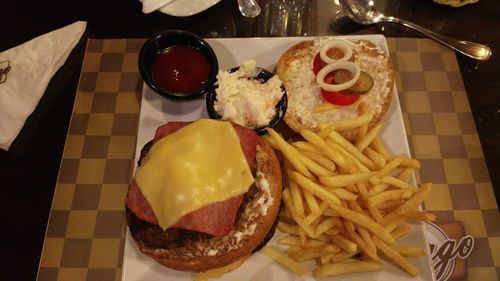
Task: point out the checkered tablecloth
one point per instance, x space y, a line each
86 231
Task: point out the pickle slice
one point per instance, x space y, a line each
361 87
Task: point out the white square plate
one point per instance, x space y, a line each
156 110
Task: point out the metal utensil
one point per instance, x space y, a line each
249 8
364 12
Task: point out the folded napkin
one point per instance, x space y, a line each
149 6
25 72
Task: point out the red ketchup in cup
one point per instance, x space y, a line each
181 69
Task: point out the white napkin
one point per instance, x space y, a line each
149 6
25 73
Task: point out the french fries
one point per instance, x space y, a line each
352 123
365 221
346 204
324 107
344 180
410 251
314 188
284 260
395 257
334 269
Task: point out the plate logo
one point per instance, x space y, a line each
445 250
4 69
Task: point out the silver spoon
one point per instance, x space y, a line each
364 12
249 8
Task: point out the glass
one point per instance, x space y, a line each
286 18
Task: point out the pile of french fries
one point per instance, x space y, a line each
346 203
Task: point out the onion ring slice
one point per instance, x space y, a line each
335 43
349 66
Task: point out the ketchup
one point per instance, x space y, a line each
181 69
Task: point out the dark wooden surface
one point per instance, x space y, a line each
28 172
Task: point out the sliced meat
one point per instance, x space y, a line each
138 204
215 219
154 237
167 129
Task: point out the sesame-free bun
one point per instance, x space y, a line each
199 252
295 71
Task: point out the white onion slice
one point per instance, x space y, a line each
349 66
335 43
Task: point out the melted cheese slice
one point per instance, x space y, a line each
197 165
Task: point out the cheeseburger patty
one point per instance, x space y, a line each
195 251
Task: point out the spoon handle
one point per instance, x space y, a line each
471 49
249 8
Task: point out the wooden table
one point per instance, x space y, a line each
30 170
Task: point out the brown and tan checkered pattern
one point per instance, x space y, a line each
442 135
85 236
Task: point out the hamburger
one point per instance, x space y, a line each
206 194
300 66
